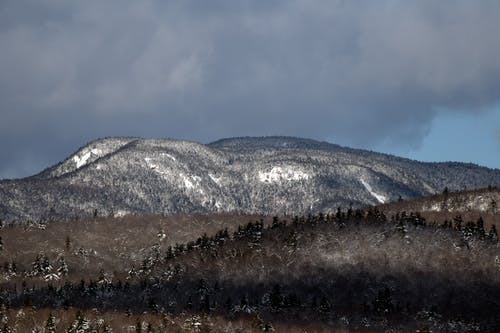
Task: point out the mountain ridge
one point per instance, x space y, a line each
255 175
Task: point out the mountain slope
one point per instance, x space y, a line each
271 175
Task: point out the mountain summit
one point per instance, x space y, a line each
268 175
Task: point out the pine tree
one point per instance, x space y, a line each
10 268
458 222
138 326
275 298
480 227
63 267
50 326
67 244
46 267
401 228
383 302
36 266
291 241
493 235
41 265
101 279
446 191
80 325
6 328
324 306
275 223
338 215
170 253
493 205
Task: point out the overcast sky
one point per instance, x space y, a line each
416 78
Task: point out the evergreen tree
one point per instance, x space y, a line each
480 227
170 253
401 228
67 244
383 302
446 191
41 266
102 279
493 235
36 266
138 326
291 241
50 326
80 325
6 328
63 267
276 298
493 205
338 215
458 222
349 211
276 222
228 305
324 306
46 267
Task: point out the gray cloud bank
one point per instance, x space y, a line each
355 72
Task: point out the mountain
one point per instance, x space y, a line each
269 175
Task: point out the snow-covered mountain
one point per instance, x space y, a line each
270 175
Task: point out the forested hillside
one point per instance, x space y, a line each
448 205
351 270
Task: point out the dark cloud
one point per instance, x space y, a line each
354 72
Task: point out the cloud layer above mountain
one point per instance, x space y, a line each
354 72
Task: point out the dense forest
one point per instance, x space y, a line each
354 270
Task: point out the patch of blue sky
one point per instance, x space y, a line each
461 137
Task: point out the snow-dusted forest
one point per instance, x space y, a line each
353 270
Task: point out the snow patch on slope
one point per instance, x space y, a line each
189 182
121 213
428 188
82 160
380 197
283 173
149 163
171 157
158 167
215 179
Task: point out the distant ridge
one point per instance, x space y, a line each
484 200
266 175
